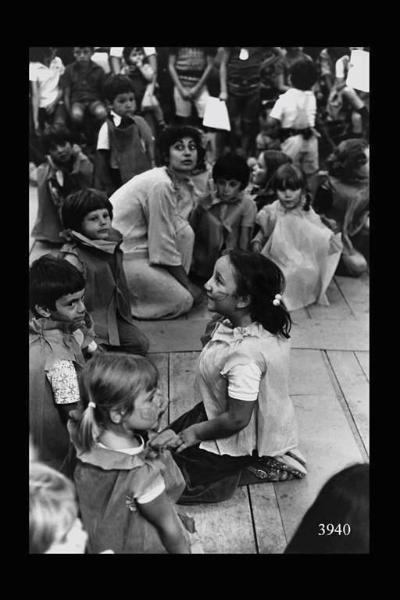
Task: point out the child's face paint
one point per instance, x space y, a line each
289 199
221 288
96 224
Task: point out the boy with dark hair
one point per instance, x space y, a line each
294 114
66 170
125 144
58 331
82 83
223 219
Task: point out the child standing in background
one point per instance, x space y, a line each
294 237
66 170
125 144
93 247
294 113
125 490
58 332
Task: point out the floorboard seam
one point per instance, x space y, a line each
340 395
280 515
253 520
361 367
345 299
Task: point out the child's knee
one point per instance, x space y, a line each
100 112
77 113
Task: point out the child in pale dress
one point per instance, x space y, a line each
126 491
294 237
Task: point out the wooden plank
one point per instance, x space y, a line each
226 527
326 440
309 373
356 292
182 373
338 308
355 388
299 315
363 359
174 336
267 520
200 312
351 334
161 362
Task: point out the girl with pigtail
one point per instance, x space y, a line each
243 426
126 491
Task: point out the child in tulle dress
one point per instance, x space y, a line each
294 237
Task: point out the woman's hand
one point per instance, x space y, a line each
196 292
188 437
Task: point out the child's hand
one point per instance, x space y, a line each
185 93
223 96
166 439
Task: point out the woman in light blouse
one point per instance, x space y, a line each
151 211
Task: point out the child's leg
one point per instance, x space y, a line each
132 340
77 113
183 108
98 110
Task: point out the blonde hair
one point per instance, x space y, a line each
111 381
53 507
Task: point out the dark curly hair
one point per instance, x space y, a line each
117 84
260 278
232 166
172 134
76 206
347 158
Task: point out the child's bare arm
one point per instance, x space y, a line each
35 105
258 242
223 75
210 63
244 237
161 513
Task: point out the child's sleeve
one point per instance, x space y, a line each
243 378
64 382
147 484
277 110
265 221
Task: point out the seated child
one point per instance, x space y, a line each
94 248
268 163
341 198
224 219
126 491
82 83
294 237
142 75
66 170
54 525
58 332
125 144
294 113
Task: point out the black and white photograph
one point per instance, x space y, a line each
199 315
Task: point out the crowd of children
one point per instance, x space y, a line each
143 211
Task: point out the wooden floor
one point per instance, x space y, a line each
329 385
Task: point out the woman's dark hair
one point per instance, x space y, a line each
117 84
290 177
303 74
260 278
56 136
76 206
51 277
232 166
344 499
172 134
347 158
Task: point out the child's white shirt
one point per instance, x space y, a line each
295 109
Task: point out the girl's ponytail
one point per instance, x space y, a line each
88 427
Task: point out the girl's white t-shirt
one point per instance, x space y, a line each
48 79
